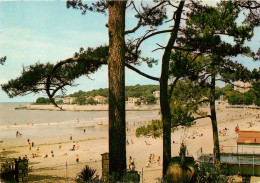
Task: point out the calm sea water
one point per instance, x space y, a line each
56 122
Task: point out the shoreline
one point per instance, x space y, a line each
98 107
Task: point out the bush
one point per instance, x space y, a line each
154 129
87 174
208 173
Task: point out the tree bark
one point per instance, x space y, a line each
116 75
164 102
214 122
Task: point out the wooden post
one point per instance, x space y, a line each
105 166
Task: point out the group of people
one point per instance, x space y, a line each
18 134
127 142
152 160
224 131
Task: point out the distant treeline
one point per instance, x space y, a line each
131 91
146 92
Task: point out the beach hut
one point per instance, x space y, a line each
248 142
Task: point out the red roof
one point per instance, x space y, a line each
248 137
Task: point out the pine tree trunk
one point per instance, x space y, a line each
164 102
116 75
214 122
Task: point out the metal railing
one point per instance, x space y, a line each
250 150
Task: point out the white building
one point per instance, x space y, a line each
69 100
100 99
132 100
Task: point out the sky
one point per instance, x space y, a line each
46 31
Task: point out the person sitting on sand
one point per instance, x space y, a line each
158 160
147 143
148 164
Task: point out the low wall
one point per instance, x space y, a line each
98 107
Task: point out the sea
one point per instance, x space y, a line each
43 123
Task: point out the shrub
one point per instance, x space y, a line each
208 173
87 174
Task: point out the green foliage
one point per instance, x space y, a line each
237 98
149 99
81 100
210 174
2 60
59 102
137 102
33 78
154 129
87 174
43 100
131 91
91 101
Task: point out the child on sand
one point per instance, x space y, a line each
77 158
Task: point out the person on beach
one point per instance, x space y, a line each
158 160
70 137
77 146
3 152
32 144
132 142
84 130
38 150
60 146
130 160
127 143
28 140
237 129
46 156
52 154
77 158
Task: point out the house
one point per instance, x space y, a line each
248 138
59 98
132 100
242 87
100 99
69 100
156 94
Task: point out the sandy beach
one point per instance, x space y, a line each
90 145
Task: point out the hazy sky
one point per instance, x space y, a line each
47 31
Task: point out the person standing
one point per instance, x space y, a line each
77 158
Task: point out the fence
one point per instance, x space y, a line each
250 150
